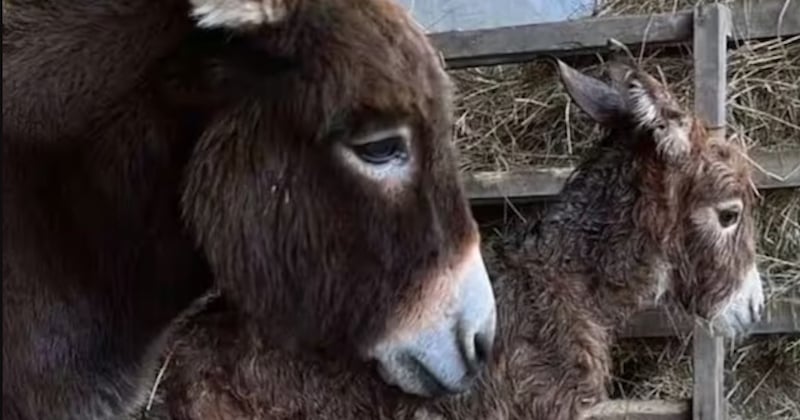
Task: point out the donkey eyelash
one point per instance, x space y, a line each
402 131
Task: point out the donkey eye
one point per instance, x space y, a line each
382 155
382 151
728 217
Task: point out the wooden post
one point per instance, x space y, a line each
712 26
708 396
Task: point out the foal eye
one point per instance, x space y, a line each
382 151
727 217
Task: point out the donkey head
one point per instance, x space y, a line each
692 195
323 188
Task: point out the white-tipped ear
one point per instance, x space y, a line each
603 103
644 95
237 14
652 107
642 104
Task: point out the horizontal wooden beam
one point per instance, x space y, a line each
772 170
492 187
639 410
781 316
751 20
514 44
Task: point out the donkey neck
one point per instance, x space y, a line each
592 238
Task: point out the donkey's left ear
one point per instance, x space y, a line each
603 103
239 14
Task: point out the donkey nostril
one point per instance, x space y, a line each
755 312
483 349
477 348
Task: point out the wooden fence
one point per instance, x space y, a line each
711 29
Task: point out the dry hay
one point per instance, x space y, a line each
518 116
762 374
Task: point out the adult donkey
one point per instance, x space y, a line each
293 155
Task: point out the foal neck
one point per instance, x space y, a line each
591 242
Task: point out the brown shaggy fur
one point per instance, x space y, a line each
624 219
145 160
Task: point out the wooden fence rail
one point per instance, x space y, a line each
640 410
772 170
513 44
782 316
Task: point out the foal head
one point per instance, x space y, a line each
692 195
323 187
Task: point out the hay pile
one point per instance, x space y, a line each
518 116
761 375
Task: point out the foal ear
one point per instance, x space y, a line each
652 107
646 98
238 14
603 103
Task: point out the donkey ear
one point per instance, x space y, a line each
238 14
603 103
651 106
646 98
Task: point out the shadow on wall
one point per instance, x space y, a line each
449 15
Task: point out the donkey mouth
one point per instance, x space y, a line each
412 375
441 353
744 309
